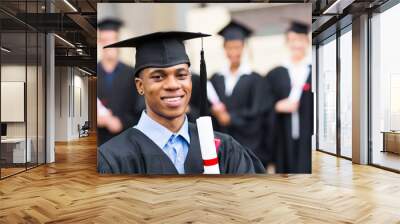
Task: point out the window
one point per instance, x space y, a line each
327 96
346 93
385 89
22 77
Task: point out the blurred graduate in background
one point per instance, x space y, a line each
234 85
119 105
287 102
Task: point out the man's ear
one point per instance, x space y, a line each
139 85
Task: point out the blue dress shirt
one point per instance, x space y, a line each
174 145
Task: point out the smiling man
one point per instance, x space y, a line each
164 142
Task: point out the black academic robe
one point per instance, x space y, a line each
132 152
291 156
121 97
245 124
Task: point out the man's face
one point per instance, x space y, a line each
233 50
298 44
104 38
167 91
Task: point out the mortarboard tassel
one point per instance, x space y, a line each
204 124
203 83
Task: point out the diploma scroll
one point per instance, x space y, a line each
101 109
212 94
207 145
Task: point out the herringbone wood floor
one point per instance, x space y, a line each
70 191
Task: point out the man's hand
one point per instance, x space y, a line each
114 124
102 117
286 106
218 107
224 119
219 111
103 114
106 119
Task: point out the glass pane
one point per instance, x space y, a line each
31 97
327 97
314 81
41 99
386 89
13 87
346 94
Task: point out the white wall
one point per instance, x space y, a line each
70 83
61 103
14 73
33 126
263 52
79 117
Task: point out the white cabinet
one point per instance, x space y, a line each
19 155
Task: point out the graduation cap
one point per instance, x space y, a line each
235 31
299 27
110 24
166 49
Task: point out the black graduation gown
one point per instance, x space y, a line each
291 156
132 152
245 124
121 98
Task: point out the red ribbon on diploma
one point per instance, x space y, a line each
210 162
214 161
